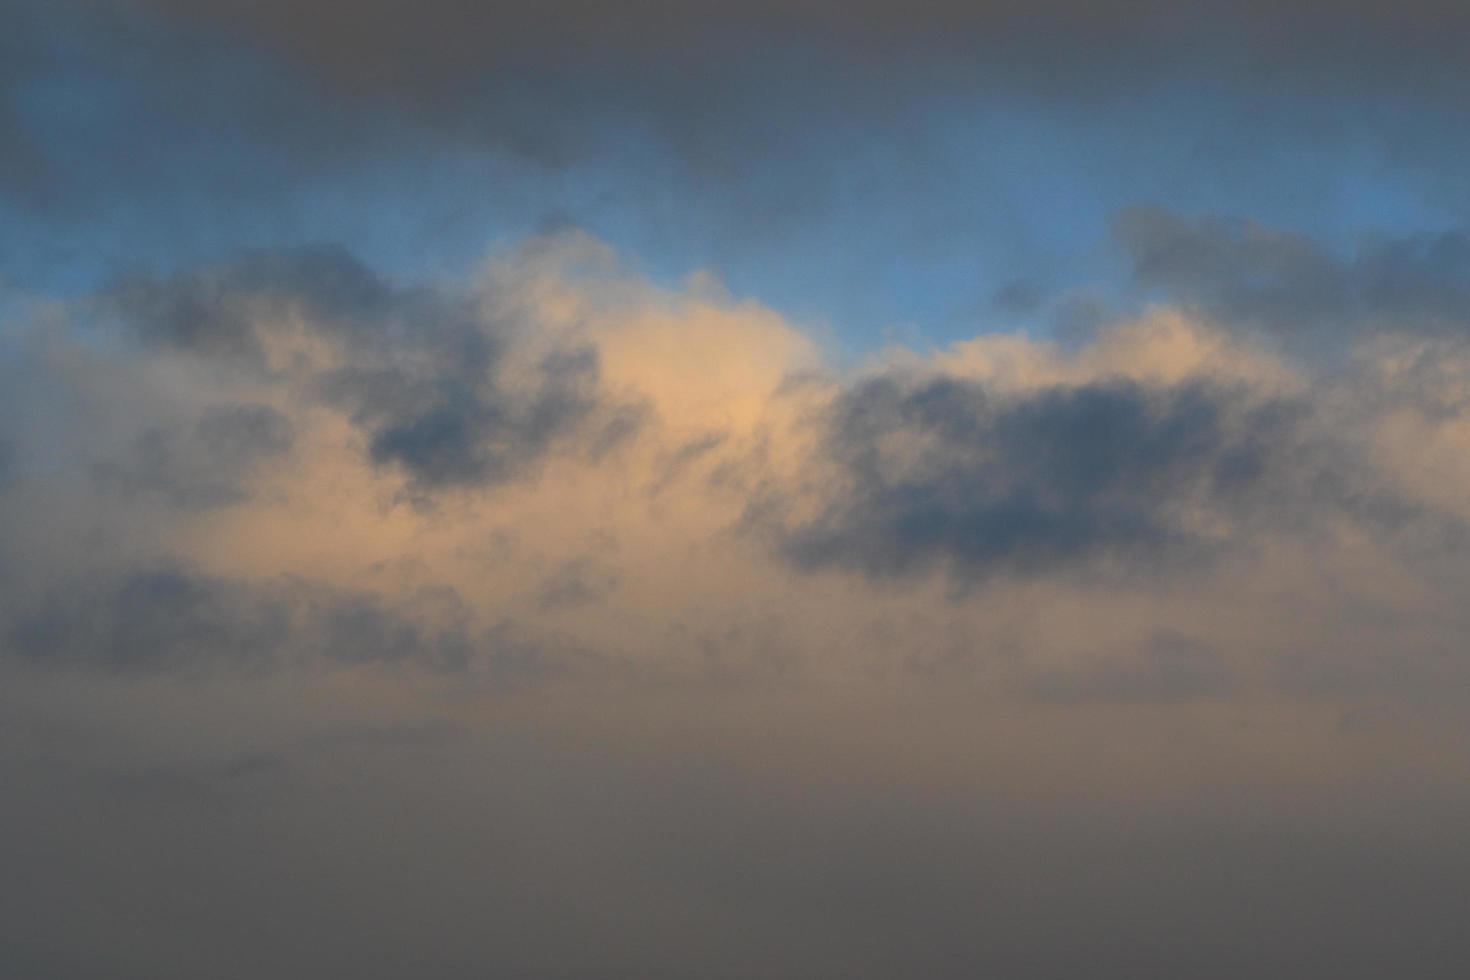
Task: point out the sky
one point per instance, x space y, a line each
738 490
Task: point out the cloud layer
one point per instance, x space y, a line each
557 435
738 490
269 521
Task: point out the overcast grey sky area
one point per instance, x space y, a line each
737 490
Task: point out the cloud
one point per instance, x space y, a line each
207 464
148 618
622 477
425 374
225 309
1244 273
940 471
435 49
553 474
176 620
382 607
768 101
452 429
783 669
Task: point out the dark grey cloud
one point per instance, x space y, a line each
453 428
21 166
23 56
278 90
1248 274
219 308
749 140
171 619
1019 296
728 87
149 619
430 49
421 372
945 472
